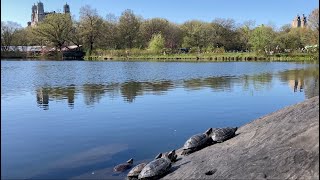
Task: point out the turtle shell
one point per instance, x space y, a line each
122 167
134 172
156 167
223 134
196 141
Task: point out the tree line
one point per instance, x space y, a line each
131 31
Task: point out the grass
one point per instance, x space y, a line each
206 57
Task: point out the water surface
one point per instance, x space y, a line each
78 119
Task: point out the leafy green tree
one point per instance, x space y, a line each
129 25
225 34
261 39
154 26
110 33
157 43
55 29
75 36
196 34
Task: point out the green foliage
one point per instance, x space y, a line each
90 27
9 31
262 38
129 25
156 43
55 29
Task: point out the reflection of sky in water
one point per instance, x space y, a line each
96 121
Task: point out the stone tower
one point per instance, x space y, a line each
303 21
40 12
299 22
66 8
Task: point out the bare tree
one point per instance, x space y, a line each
314 20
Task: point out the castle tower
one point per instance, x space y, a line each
34 12
304 21
40 11
66 8
296 22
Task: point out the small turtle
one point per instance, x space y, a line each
173 158
124 166
134 172
157 167
223 134
196 142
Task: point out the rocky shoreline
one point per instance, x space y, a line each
280 145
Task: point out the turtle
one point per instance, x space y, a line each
134 172
173 158
222 134
196 142
124 166
158 167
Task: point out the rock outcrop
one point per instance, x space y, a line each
281 145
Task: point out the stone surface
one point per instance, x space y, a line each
281 145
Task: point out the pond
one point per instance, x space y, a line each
78 119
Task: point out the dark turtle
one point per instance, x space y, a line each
173 158
124 166
157 167
223 134
197 142
134 172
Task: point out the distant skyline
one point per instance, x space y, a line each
276 12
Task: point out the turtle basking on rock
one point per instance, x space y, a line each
124 166
222 134
196 142
158 167
134 172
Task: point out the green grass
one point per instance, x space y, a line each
208 57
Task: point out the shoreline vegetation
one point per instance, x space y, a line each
191 57
208 57
132 37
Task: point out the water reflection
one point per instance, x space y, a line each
44 94
298 80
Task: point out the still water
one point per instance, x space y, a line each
77 119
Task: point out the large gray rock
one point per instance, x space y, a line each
281 145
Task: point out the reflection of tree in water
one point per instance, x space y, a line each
93 93
45 94
219 83
158 88
306 80
130 90
261 81
302 79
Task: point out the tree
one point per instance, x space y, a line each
154 26
110 32
129 25
75 36
196 34
157 43
314 20
90 26
261 39
55 29
8 31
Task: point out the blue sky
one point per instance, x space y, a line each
276 12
